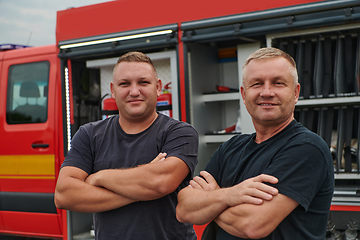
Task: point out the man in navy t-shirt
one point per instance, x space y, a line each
129 168
276 183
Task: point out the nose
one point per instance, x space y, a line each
134 91
267 90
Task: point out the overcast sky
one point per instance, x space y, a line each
33 22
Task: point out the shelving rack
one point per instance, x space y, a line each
329 105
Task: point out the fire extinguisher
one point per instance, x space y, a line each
109 107
164 103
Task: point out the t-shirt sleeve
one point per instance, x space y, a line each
80 154
182 142
301 169
213 166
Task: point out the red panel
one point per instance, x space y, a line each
28 185
63 224
1 223
344 208
182 78
124 15
31 224
199 229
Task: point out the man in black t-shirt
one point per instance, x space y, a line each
276 183
128 169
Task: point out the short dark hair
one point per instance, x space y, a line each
136 57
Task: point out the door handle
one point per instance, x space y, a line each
39 145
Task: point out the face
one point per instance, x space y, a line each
135 89
269 91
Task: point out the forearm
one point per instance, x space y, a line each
76 195
127 182
146 182
235 220
199 206
205 200
256 221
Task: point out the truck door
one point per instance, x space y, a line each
27 155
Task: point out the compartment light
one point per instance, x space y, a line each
150 34
67 98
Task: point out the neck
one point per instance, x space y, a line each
133 126
266 131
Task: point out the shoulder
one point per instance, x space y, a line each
305 136
95 130
169 124
237 140
305 146
234 145
99 126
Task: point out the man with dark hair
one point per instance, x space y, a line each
129 168
276 183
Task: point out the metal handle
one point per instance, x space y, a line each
39 145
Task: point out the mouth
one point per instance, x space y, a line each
268 105
134 101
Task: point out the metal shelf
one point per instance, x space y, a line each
347 176
328 101
216 97
218 138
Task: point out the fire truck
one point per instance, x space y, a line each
199 47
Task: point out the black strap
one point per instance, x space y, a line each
329 121
310 119
348 135
291 48
164 107
349 65
307 73
358 142
328 71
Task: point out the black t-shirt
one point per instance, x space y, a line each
303 165
104 145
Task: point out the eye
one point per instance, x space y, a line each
144 82
255 84
124 84
279 83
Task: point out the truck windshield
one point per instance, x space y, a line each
27 97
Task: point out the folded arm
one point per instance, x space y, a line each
256 221
73 193
145 182
203 200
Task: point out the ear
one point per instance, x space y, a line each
158 87
112 89
242 90
297 92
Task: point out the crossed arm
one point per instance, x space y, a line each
113 188
250 209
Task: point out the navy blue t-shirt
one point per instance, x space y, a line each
104 145
300 160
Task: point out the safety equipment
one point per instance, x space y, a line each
164 103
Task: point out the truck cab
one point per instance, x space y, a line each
30 141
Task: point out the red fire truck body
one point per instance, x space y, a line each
47 92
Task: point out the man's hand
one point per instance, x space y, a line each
207 182
252 191
91 179
160 157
